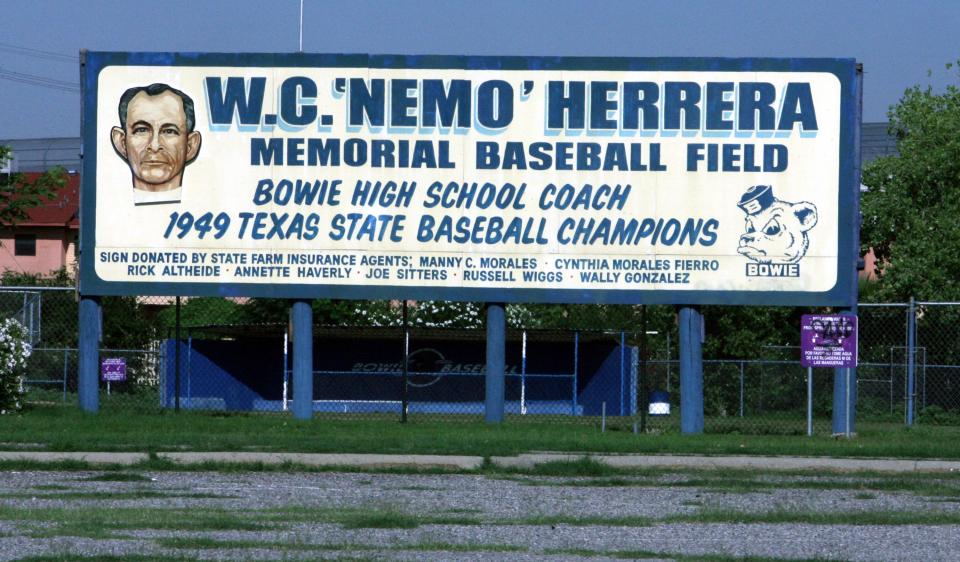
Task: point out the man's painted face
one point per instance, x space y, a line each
155 141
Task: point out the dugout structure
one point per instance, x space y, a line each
360 371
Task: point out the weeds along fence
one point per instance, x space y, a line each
571 364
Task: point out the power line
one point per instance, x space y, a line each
42 81
37 53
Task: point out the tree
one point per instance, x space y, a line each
910 211
17 195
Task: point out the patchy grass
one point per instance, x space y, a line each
67 557
100 495
654 555
819 517
462 510
580 521
459 547
584 466
205 543
380 520
584 473
102 522
370 517
118 477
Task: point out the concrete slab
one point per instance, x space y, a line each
452 462
91 458
527 460
938 466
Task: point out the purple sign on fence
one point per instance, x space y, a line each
113 369
828 340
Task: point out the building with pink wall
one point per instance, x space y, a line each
47 240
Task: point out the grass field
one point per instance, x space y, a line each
68 429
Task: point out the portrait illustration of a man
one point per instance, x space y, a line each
156 138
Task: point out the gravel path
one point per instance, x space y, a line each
490 499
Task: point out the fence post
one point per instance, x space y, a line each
65 352
911 360
189 366
642 359
496 341
741 389
90 330
302 321
523 375
623 370
286 375
809 401
576 362
691 370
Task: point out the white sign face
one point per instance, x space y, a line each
554 185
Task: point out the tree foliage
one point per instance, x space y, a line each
17 195
752 332
910 211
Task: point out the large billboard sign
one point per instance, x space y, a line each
613 180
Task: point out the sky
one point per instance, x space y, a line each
900 43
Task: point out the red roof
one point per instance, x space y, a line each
62 210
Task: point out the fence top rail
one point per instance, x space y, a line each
436 374
906 304
732 361
20 289
101 350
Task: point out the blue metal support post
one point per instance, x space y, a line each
301 316
845 379
691 370
89 354
496 343
911 360
845 395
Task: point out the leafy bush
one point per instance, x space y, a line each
935 415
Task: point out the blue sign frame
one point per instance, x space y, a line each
843 293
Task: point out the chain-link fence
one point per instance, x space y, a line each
614 366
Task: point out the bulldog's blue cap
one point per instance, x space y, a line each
756 199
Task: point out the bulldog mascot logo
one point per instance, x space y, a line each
776 232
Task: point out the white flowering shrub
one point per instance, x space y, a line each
447 314
432 314
14 350
374 313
